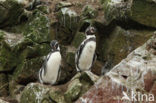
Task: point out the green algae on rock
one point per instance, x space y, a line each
89 12
120 43
27 70
38 28
78 85
34 93
7 57
79 37
73 91
56 95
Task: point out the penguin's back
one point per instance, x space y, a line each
87 54
53 66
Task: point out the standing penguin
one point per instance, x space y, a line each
85 55
50 69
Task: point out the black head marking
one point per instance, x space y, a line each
54 45
90 30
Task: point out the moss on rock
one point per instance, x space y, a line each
73 91
143 11
27 70
120 43
38 28
89 12
79 37
56 95
34 93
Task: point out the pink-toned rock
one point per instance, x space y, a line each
149 81
105 91
153 90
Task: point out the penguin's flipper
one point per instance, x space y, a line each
77 56
94 58
44 66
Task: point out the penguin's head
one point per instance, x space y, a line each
54 45
90 31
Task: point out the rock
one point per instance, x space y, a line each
43 8
38 93
38 28
10 10
68 18
73 91
89 12
27 71
134 74
78 85
71 58
120 43
3 85
115 9
136 10
34 93
6 56
79 37
15 90
57 95
143 11
62 4
2 101
27 54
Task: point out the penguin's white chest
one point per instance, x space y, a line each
86 57
53 66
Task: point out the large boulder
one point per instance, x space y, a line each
141 11
38 27
129 80
10 10
115 46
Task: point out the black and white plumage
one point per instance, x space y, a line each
85 55
50 69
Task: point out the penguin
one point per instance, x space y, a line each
50 70
85 55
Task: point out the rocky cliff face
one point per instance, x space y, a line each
28 26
